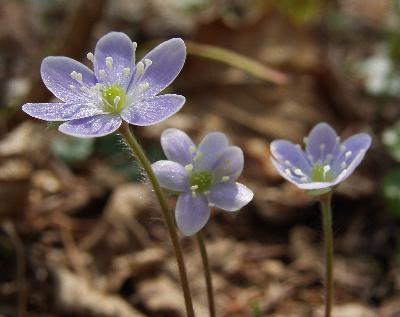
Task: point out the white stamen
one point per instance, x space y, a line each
348 154
143 87
287 162
189 167
225 178
342 148
211 205
337 140
72 87
194 187
329 157
102 73
139 68
194 194
287 171
148 62
304 179
298 146
116 100
343 165
76 76
90 56
126 71
109 62
197 156
327 168
299 172
134 45
305 140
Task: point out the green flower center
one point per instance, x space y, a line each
200 181
321 173
113 99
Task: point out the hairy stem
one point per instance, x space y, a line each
325 201
139 153
207 273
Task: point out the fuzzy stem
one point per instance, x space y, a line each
325 201
207 273
141 156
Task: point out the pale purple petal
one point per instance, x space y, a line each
119 47
355 144
191 213
210 149
60 111
322 141
56 74
290 155
230 196
167 61
345 173
177 146
153 110
90 127
171 175
229 164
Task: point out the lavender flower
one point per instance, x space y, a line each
325 162
94 104
205 176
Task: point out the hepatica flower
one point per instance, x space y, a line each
325 162
94 103
204 176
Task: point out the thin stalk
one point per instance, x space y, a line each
207 273
325 201
141 156
9 228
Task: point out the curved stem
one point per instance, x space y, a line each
207 273
139 153
325 201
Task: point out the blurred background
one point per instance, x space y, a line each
84 225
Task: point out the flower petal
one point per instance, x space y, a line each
167 61
177 146
171 175
191 213
355 144
153 110
119 47
290 155
56 74
230 196
345 173
60 111
209 150
90 127
229 164
322 141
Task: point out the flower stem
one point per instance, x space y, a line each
325 201
141 156
207 273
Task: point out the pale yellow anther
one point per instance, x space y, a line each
225 178
90 56
126 71
102 73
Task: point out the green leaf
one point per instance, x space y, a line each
391 191
70 149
